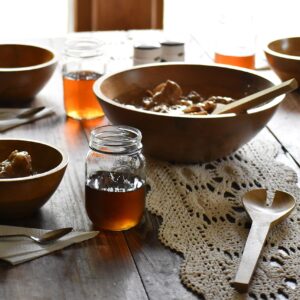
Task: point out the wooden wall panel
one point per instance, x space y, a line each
118 14
82 15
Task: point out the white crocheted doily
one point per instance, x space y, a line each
204 219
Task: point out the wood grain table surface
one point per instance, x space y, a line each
114 265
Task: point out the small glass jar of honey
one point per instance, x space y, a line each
115 178
235 40
82 65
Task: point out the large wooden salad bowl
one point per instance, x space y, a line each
186 138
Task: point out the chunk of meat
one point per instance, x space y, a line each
195 97
209 106
18 164
167 93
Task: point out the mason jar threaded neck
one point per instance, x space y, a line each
116 139
83 48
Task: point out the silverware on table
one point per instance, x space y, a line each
47 237
19 113
30 112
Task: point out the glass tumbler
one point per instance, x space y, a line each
82 65
115 178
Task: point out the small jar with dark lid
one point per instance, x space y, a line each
146 53
115 178
172 51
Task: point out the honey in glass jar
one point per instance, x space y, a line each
83 65
115 179
235 40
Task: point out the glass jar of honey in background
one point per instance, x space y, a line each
115 178
235 40
82 65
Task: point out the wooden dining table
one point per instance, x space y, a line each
132 264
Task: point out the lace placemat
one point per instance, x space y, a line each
204 219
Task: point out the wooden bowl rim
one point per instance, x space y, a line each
269 51
99 94
60 166
52 61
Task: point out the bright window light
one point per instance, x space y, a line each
272 18
33 18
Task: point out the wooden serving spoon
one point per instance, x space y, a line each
251 101
263 218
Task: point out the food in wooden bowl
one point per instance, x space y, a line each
283 56
186 137
24 71
18 164
30 172
167 97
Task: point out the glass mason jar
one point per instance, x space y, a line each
82 65
235 40
115 178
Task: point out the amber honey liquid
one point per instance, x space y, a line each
79 99
247 61
114 201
